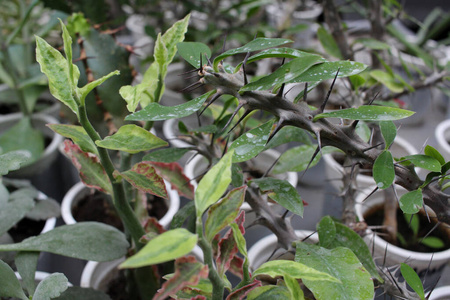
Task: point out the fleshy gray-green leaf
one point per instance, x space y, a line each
13 211
78 293
13 160
9 284
26 263
51 287
368 113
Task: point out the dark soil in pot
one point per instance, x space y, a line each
97 207
26 228
375 215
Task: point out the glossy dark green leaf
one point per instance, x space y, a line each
328 70
411 202
165 247
158 112
191 52
255 45
166 155
296 159
251 143
430 151
281 192
223 213
389 132
286 73
289 134
84 240
368 113
328 43
424 161
412 279
327 232
182 215
383 170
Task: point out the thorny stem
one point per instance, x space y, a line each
218 286
390 216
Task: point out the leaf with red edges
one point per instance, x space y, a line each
143 176
187 272
240 221
243 291
236 266
226 251
88 165
173 173
152 225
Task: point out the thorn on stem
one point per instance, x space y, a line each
322 107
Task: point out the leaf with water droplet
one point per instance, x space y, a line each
411 202
383 170
368 113
424 161
191 52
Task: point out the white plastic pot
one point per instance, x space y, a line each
263 250
442 134
395 255
50 154
441 293
79 190
38 276
334 170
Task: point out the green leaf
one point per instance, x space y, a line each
389 131
430 151
424 161
144 177
411 202
173 173
289 134
286 73
166 155
165 247
213 184
132 139
13 160
294 287
412 279
356 282
363 130
9 284
433 242
182 215
133 94
51 287
255 45
240 241
191 52
223 213
294 269
91 171
77 134
268 292
383 170
328 43
387 80
251 143
85 90
55 66
77 293
84 240
158 112
13 211
328 70
373 44
281 192
68 51
368 113
26 263
296 159
327 232
22 136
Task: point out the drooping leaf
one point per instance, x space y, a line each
294 287
244 291
77 134
84 240
158 112
383 170
296 159
328 70
281 192
389 131
76 293
188 272
412 279
13 211
411 202
51 287
213 184
328 43
23 136
340 263
9 284
424 161
55 66
227 250
166 155
132 139
222 213
255 45
286 73
44 209
13 160
133 94
167 246
173 173
430 151
91 171
267 292
251 143
144 177
85 90
387 80
191 52
368 113
26 263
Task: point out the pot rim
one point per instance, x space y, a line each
440 131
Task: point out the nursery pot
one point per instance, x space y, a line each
334 169
264 250
79 191
442 134
51 151
393 255
441 293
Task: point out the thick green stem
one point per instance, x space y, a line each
213 276
120 201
